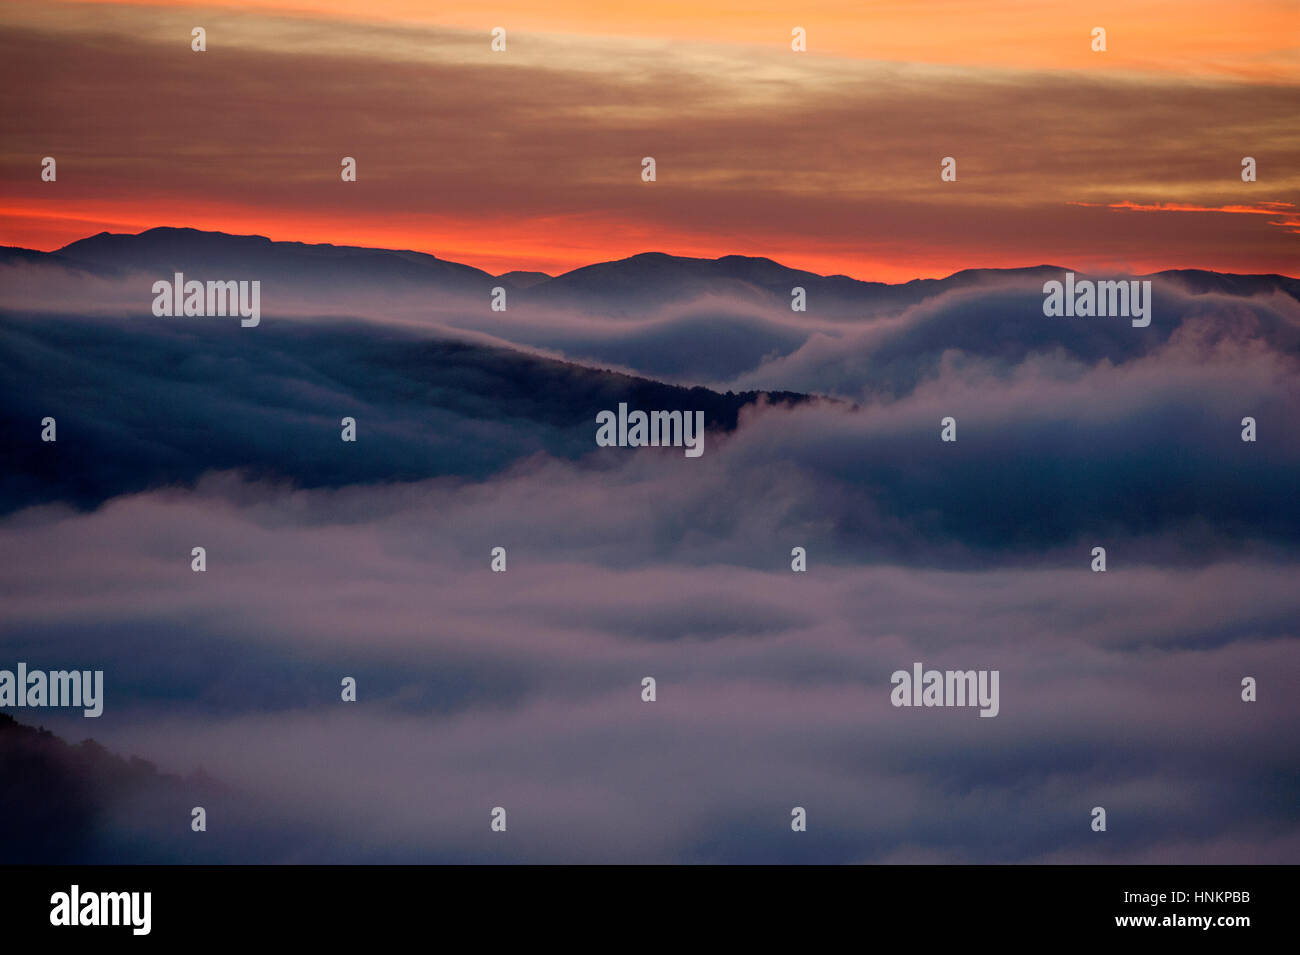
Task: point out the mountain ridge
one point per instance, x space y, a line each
108 253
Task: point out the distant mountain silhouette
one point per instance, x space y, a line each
653 279
166 250
522 279
149 404
618 288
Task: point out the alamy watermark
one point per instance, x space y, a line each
75 907
215 299
1124 298
923 687
84 688
654 429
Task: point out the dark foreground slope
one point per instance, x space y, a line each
150 403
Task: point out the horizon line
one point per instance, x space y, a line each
672 255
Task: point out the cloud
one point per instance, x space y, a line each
522 689
531 159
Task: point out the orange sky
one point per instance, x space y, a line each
1247 38
531 158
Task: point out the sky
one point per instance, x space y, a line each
827 160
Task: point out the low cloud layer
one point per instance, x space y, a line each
522 689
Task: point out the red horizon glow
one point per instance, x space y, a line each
43 230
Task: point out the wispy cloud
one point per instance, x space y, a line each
1285 215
